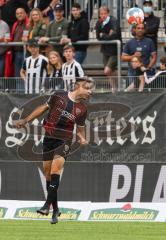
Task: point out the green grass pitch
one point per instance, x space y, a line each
43 230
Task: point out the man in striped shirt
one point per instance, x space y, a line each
34 69
71 69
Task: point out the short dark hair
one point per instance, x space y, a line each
84 79
69 46
148 1
76 5
33 43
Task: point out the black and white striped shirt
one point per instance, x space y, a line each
69 74
36 70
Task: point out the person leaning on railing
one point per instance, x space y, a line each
17 32
56 29
140 46
107 28
36 28
78 30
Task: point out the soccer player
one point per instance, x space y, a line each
65 110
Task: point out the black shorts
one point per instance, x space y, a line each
53 146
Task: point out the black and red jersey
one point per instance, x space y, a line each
63 115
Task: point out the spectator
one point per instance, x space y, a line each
57 28
34 69
46 6
71 68
4 31
159 79
137 65
140 46
54 72
18 29
151 22
107 28
2 7
78 30
9 10
37 27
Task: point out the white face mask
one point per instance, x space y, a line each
106 21
147 9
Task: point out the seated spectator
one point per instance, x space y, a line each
151 22
9 10
34 69
4 32
16 36
71 68
159 79
56 29
54 72
107 28
78 30
137 65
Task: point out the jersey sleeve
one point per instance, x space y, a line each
80 121
52 100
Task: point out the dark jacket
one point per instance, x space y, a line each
102 33
43 4
78 30
151 27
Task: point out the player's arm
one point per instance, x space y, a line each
81 135
35 114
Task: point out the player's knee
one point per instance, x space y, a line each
57 165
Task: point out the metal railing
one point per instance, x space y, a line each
94 42
102 84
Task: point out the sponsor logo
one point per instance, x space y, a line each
78 111
2 212
30 213
126 213
68 115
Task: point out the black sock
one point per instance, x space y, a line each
52 191
47 185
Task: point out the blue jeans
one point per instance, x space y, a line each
80 56
18 62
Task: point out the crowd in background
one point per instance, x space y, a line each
57 65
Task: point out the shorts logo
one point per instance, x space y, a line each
66 148
78 111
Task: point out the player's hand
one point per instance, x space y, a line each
83 142
20 123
